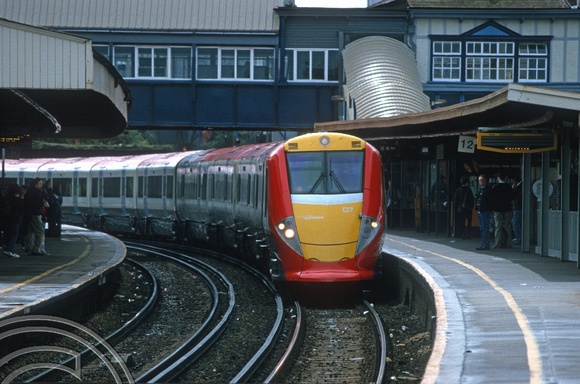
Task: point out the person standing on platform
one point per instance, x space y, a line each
463 203
54 214
517 206
34 203
483 212
14 219
501 198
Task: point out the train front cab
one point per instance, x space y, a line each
326 208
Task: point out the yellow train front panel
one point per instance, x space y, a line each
328 225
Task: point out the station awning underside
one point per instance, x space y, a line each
514 106
79 113
53 84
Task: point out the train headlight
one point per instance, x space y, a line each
369 228
287 232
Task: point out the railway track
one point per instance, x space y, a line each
335 346
246 332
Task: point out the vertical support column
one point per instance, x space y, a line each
401 181
565 194
544 230
526 202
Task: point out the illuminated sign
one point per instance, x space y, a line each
508 142
21 139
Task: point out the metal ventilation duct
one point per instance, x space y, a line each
382 78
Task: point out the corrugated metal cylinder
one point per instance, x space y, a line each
382 78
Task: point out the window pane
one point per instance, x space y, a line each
145 64
111 186
306 172
317 65
82 187
154 185
289 65
302 65
228 63
169 191
207 65
95 187
129 187
125 61
181 63
333 64
64 184
243 64
263 64
345 171
160 62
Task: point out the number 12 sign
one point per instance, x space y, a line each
467 144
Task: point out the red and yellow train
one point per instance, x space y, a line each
309 209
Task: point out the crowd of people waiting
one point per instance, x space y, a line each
500 204
24 214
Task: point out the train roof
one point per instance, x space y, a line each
246 151
26 163
166 159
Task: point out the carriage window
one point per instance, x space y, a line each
154 185
111 186
238 189
326 172
82 187
129 190
169 192
204 186
64 185
249 194
141 186
95 187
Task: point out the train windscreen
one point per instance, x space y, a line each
326 172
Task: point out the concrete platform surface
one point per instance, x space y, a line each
503 316
78 258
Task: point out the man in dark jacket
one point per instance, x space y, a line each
34 202
501 200
463 203
13 220
484 211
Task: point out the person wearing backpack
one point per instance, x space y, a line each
463 203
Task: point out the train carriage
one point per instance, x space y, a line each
112 198
326 208
156 185
72 177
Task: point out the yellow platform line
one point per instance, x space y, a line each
46 273
532 349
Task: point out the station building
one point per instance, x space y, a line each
487 70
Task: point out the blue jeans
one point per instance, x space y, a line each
483 218
517 223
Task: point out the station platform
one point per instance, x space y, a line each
79 259
502 316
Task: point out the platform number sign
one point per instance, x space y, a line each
467 144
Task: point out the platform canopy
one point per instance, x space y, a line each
52 84
514 106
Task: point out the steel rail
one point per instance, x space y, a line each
116 335
381 339
196 345
295 342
